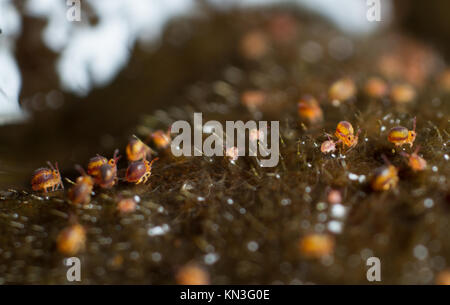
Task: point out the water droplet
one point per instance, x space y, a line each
211 258
420 252
156 257
322 217
285 201
335 226
321 206
428 203
158 230
352 176
338 210
252 246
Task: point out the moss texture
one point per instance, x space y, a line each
242 223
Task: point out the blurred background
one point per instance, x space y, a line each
64 81
93 78
90 49
90 81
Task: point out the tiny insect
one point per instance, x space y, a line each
342 90
403 93
103 171
329 145
47 179
443 277
401 135
444 80
283 28
192 274
309 109
385 177
71 240
376 87
316 245
161 139
253 99
416 162
139 171
126 205
107 176
137 150
334 197
94 165
345 133
80 192
254 45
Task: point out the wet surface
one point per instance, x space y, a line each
240 222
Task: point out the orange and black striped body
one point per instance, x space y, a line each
46 179
139 171
401 135
385 177
136 150
345 133
80 193
309 109
343 129
103 171
94 165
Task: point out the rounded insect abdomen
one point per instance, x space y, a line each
94 165
135 171
342 90
344 132
328 146
385 178
376 87
136 150
417 163
80 193
344 128
309 109
71 240
42 178
161 139
398 135
106 177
